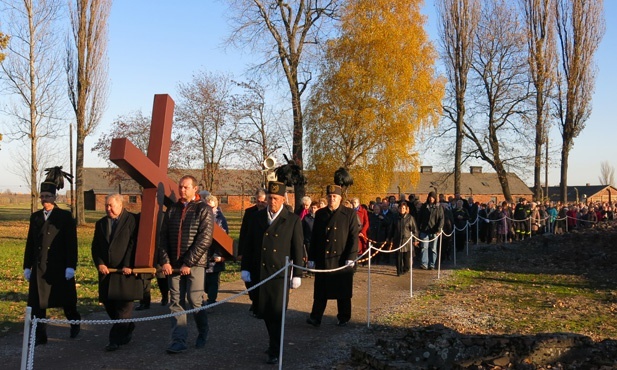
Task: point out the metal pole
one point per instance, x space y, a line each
439 254
368 296
467 239
454 243
26 340
285 291
411 266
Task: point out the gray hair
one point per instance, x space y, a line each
115 196
212 198
260 192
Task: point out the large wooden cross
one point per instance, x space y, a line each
151 173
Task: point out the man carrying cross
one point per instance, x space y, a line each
186 236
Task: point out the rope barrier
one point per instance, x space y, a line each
36 320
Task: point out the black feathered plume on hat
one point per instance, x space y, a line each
290 173
56 176
343 179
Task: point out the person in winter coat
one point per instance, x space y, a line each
50 261
431 220
401 238
185 238
274 234
334 244
113 246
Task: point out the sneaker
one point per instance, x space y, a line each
164 301
423 267
176 347
341 323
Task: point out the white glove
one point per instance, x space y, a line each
245 276
310 264
27 273
69 273
296 282
349 263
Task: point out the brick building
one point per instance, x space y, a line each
235 188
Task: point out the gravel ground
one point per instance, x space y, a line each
236 339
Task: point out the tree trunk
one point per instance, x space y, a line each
537 168
298 132
34 168
563 185
502 175
80 216
458 152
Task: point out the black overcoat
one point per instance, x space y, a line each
333 243
265 252
402 231
116 253
51 247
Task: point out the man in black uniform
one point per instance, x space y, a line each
334 244
274 233
50 261
249 213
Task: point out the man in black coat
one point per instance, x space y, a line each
243 239
50 260
113 246
273 234
334 244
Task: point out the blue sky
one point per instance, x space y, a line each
155 44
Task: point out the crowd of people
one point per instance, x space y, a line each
326 234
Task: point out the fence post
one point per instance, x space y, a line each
26 340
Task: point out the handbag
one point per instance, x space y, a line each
125 287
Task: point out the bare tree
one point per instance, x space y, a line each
32 72
260 129
204 114
136 126
607 174
580 28
538 17
501 86
86 69
458 21
284 32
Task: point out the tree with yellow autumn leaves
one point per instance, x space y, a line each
378 88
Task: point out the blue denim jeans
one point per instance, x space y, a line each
429 249
186 292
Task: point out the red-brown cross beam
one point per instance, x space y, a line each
151 173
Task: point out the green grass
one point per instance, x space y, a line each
14 289
508 303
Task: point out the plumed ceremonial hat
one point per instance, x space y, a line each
275 187
54 179
48 187
334 189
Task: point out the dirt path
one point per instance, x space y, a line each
236 339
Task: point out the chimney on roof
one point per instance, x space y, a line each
475 169
426 169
